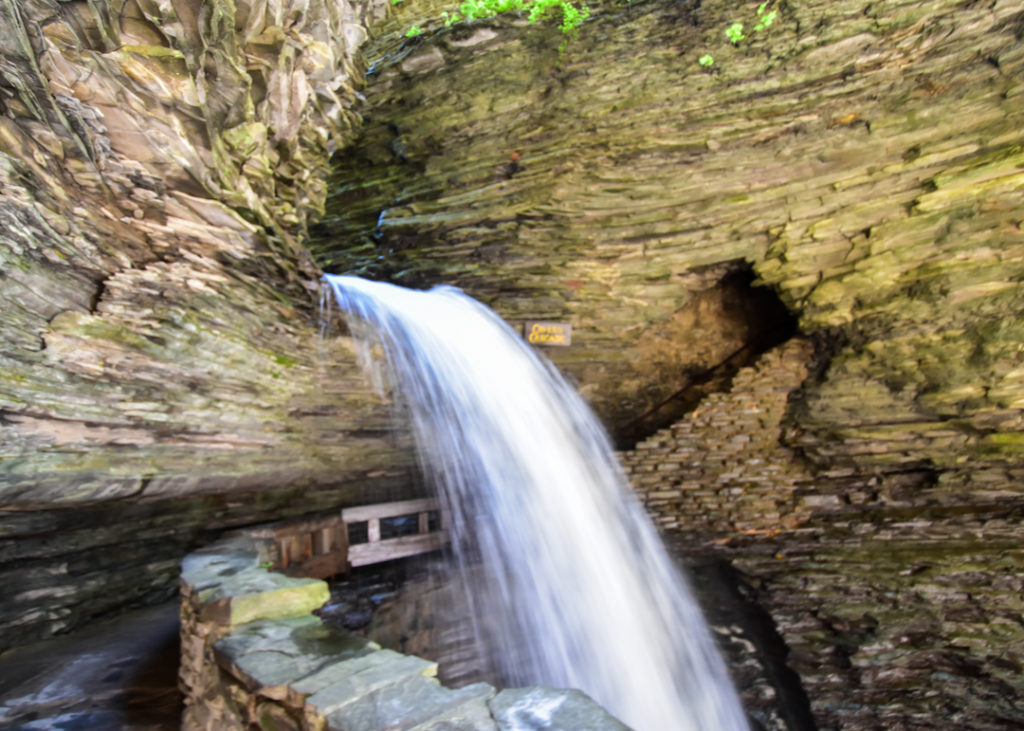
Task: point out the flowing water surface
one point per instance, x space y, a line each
570 584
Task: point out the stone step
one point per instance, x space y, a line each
344 683
417 703
270 655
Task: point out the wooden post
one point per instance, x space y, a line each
282 551
341 544
322 542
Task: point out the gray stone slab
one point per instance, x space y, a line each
551 709
471 715
336 672
209 567
417 703
272 653
362 676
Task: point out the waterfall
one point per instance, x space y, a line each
576 589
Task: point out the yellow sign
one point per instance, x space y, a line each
548 333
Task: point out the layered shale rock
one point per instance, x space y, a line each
860 161
160 372
857 167
862 158
897 594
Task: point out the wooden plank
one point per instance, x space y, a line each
373 530
387 510
392 548
295 548
341 541
424 522
283 557
322 541
320 567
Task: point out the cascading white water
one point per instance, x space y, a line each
576 589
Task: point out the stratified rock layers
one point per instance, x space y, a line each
863 158
158 164
160 378
898 594
863 161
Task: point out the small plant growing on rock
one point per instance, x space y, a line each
572 15
735 34
765 17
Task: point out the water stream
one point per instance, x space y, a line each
575 588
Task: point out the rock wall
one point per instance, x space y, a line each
862 157
897 592
863 161
159 375
723 469
160 370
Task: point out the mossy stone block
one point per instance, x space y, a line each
256 593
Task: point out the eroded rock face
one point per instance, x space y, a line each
863 158
897 594
864 161
160 379
158 164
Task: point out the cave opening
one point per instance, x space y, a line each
728 322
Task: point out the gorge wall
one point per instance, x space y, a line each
854 172
861 158
898 598
861 161
160 371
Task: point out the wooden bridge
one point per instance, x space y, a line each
358 536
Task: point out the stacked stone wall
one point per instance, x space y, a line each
892 583
723 468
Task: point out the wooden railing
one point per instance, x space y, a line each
358 536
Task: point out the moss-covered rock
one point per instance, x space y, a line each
863 159
158 165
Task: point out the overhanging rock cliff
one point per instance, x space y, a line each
857 167
160 373
862 159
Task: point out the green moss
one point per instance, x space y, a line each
247 138
1005 443
154 51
